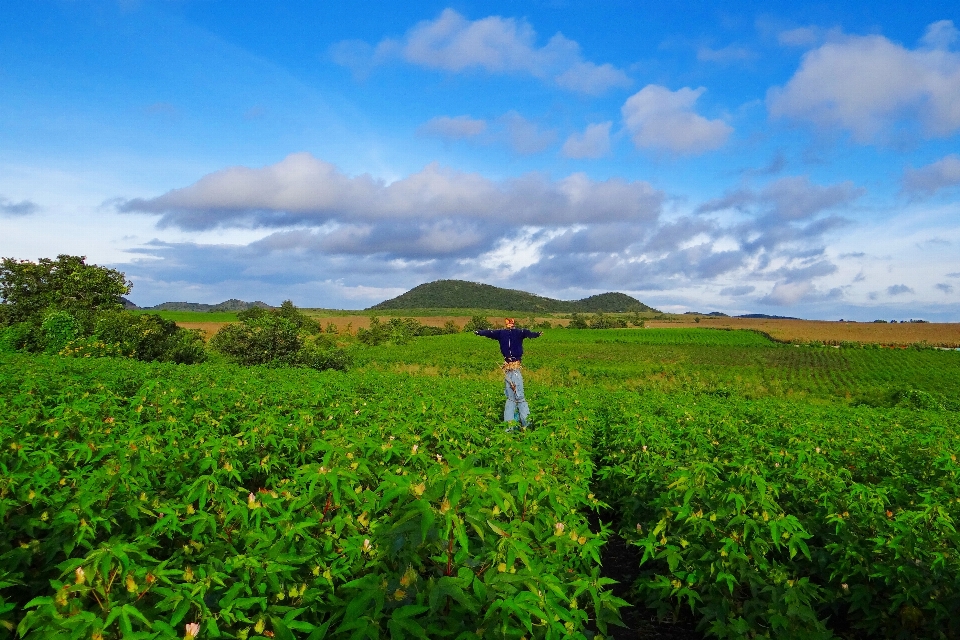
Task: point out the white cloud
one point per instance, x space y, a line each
594 142
659 118
455 128
493 44
592 79
302 190
927 180
898 289
940 35
868 85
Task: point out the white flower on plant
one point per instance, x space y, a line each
80 575
192 630
415 447
558 529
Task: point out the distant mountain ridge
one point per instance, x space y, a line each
227 305
461 294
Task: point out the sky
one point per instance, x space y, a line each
796 159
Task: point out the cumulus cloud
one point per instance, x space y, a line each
494 44
784 231
940 35
22 208
594 142
869 86
454 128
567 233
929 179
659 118
436 211
790 198
898 290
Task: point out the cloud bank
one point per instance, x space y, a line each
567 233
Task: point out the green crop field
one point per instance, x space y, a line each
194 316
768 490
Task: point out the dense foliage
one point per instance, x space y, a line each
771 491
278 337
399 331
139 498
68 307
31 290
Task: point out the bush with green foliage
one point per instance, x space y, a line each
59 328
272 339
268 339
477 323
601 321
146 337
577 321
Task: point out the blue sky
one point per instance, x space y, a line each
797 160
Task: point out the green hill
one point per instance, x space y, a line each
460 294
228 305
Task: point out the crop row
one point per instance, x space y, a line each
773 519
743 363
136 499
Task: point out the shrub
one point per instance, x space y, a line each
59 328
314 357
577 321
252 313
150 338
300 320
373 336
269 339
19 337
92 347
477 323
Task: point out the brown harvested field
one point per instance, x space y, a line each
936 334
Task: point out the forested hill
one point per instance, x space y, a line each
460 294
228 305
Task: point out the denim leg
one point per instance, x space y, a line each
510 408
516 403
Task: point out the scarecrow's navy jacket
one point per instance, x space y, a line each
511 341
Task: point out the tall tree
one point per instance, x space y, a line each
28 290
